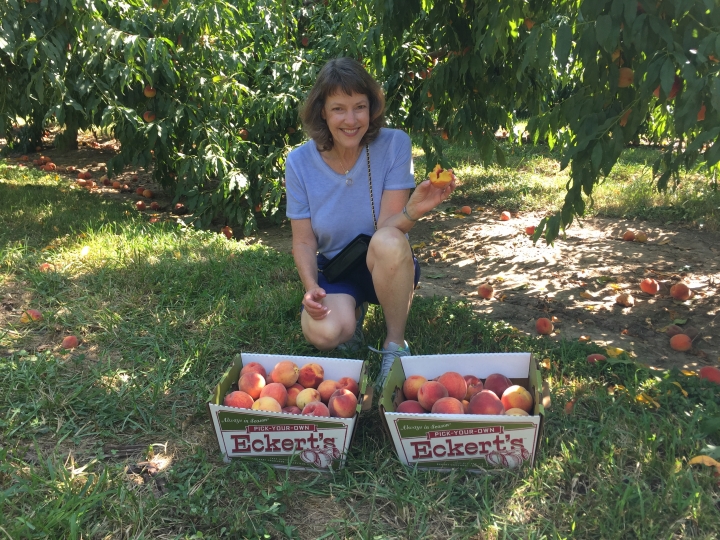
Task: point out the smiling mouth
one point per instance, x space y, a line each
350 131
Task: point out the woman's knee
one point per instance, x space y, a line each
328 333
390 242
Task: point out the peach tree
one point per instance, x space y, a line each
591 75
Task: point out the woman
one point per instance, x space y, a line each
329 202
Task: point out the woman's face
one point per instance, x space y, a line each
348 118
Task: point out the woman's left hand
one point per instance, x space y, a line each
426 197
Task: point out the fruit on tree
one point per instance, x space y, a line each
70 342
681 342
411 386
454 383
485 291
305 41
244 134
149 116
448 405
701 113
440 177
626 77
429 393
517 397
227 231
624 118
30 315
710 373
497 383
680 291
649 286
239 399
149 91
544 326
529 23
485 402
676 86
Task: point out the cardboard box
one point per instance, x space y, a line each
286 440
477 442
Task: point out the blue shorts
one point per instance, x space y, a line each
358 283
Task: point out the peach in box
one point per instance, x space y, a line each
327 388
474 385
292 409
239 399
316 408
454 383
285 373
253 367
349 383
342 404
267 404
308 395
498 383
411 386
252 383
410 406
276 391
448 405
486 402
516 397
429 393
311 375
293 392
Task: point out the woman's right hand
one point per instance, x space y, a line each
313 303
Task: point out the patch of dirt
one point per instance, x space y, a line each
575 281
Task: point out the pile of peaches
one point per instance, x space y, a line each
294 390
452 393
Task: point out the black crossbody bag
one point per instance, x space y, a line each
355 252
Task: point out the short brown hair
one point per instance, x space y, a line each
349 76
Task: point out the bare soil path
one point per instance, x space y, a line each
575 281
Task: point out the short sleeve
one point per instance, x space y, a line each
298 206
401 174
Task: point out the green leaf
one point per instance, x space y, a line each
603 32
596 157
563 42
667 76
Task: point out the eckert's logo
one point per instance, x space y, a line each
489 442
281 439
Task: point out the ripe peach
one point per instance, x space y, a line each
140 206
155 205
140 190
308 395
440 177
253 367
681 342
276 391
293 392
239 399
46 267
530 230
625 299
410 406
251 383
342 404
149 91
30 315
701 113
292 410
649 286
244 134
625 118
486 402
286 372
626 77
227 231
597 357
316 408
311 375
474 385
429 393
516 397
485 291
498 383
116 184
673 330
516 412
411 386
148 116
641 237
628 236
148 194
505 216
710 373
466 210
448 405
544 326
327 388
350 384
70 342
465 404
267 404
454 383
680 291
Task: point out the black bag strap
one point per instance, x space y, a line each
372 200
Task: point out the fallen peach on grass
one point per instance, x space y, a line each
649 286
544 326
680 291
30 315
681 342
70 342
485 291
710 373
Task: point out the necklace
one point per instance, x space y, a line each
348 180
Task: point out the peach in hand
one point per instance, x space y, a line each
342 404
311 375
439 177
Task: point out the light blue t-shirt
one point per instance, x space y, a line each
339 212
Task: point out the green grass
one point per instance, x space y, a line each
532 181
162 310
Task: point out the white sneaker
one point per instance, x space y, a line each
389 355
